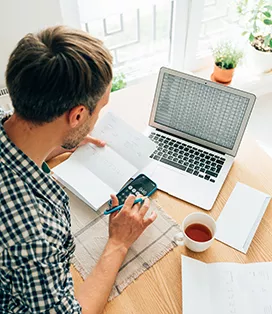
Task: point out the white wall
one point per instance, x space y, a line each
19 17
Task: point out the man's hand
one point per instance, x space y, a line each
92 140
128 224
88 139
125 227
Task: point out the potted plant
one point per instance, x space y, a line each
256 19
226 58
118 82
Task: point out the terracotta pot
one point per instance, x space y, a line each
222 75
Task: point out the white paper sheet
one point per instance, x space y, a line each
122 138
241 216
93 173
82 182
106 164
226 288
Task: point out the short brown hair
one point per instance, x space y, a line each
55 70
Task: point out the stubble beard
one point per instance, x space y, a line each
75 137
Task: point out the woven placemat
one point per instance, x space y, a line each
90 230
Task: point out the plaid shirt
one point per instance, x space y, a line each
36 243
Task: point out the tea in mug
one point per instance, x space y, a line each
198 232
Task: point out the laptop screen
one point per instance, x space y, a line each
199 110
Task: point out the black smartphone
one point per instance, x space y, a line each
140 185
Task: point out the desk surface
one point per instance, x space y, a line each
158 290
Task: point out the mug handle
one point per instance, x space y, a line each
179 238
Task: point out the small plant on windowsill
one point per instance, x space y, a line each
256 19
226 58
118 82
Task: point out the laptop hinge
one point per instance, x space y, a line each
185 139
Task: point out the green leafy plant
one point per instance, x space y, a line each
226 56
118 82
257 20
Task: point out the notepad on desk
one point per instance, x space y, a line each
241 216
93 173
226 288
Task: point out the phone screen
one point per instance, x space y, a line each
140 185
143 185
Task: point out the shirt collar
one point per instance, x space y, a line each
28 171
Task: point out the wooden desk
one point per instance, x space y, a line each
158 290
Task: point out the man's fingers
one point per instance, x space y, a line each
137 206
92 140
114 203
145 207
114 200
129 201
96 141
150 219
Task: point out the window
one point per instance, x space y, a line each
138 35
146 35
210 21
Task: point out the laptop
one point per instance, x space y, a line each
198 126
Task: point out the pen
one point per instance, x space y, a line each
114 209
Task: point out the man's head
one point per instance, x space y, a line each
60 72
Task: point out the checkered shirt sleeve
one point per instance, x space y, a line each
41 283
36 244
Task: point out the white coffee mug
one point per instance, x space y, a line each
196 218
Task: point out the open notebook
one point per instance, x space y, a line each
226 288
93 173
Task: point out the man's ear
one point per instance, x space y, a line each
76 116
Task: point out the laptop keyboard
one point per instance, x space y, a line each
186 157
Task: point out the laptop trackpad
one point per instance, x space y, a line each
167 179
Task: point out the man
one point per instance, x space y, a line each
58 81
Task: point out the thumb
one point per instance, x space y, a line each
114 200
114 203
